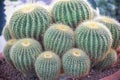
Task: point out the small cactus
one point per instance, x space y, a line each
109 60
76 63
114 28
31 21
6 33
48 66
59 38
71 12
94 38
6 50
24 53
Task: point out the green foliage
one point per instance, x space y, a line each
59 38
106 7
109 8
71 12
48 66
6 50
114 28
76 63
94 38
24 53
109 60
117 3
30 21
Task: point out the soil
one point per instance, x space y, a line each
7 72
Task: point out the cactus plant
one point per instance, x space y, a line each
24 53
114 28
94 38
48 66
6 33
31 21
59 38
71 12
76 63
109 60
6 50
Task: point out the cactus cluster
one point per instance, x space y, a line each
94 38
71 12
7 49
47 66
30 22
114 28
76 63
109 60
59 38
6 33
70 43
24 53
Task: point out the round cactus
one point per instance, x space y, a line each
48 66
6 50
114 28
76 63
6 33
30 21
94 38
59 38
24 53
109 60
71 12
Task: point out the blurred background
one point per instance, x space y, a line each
7 7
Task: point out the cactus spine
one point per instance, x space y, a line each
6 33
71 12
24 53
6 50
76 63
109 60
114 28
94 38
95 14
59 38
48 66
30 22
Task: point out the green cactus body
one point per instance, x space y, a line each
30 22
114 28
71 12
94 38
76 63
6 50
6 33
109 60
48 66
24 53
59 38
